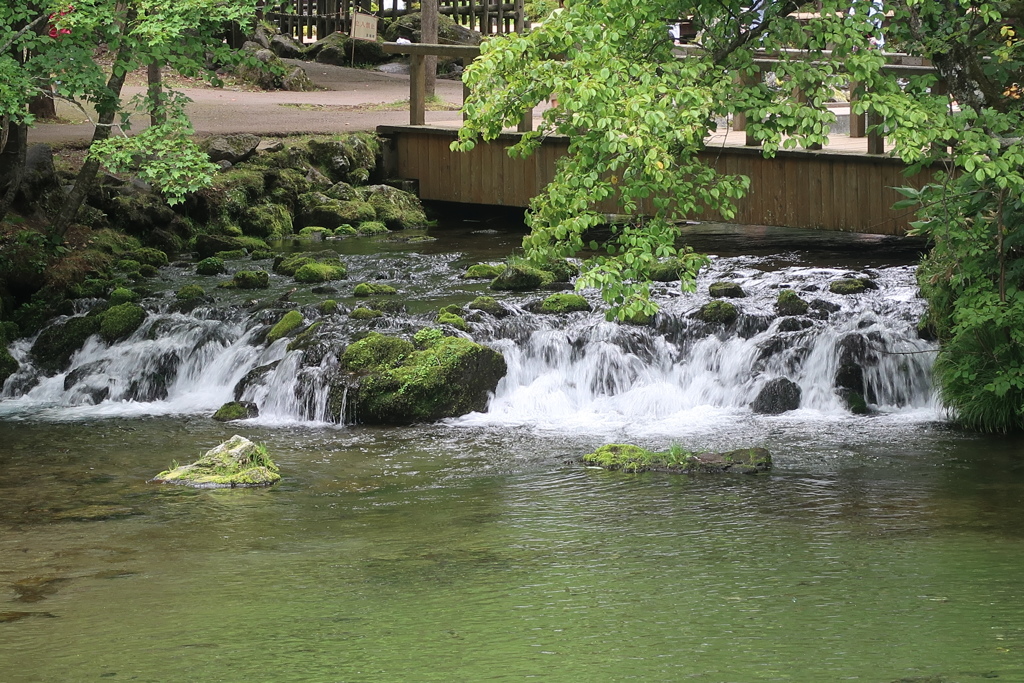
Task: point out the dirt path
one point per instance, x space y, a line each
345 104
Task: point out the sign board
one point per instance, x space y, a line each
364 26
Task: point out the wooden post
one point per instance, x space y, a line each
472 15
417 91
876 142
428 34
858 125
520 16
739 120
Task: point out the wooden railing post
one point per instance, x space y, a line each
876 141
857 122
739 120
417 90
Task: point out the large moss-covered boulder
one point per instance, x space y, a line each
453 377
489 305
630 458
8 364
317 209
117 322
851 285
236 410
266 220
564 303
396 208
367 289
291 263
251 279
726 289
351 158
234 148
520 277
208 246
483 271
56 344
448 31
236 463
320 272
716 311
288 323
336 49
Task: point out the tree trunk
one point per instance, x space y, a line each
156 93
107 110
428 34
12 165
43 106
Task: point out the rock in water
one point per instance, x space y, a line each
777 396
235 463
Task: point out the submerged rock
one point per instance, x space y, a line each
236 410
777 396
235 463
630 458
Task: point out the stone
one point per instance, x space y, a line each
236 410
366 289
483 271
336 49
848 285
631 458
236 463
285 46
448 31
397 209
564 303
251 279
777 396
720 312
53 348
488 305
790 303
297 81
519 277
288 323
234 148
725 289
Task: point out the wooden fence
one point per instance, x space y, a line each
314 19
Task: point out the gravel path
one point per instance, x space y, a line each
342 106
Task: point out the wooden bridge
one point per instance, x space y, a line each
846 186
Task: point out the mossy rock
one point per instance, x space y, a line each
371 228
236 410
328 307
289 264
453 319
8 365
211 245
345 230
451 378
854 401
127 265
364 313
190 293
266 220
305 339
564 303
288 323
483 271
350 158
117 322
397 209
149 256
489 305
849 285
211 266
261 255
146 270
630 458
315 232
122 295
320 272
725 289
364 289
55 345
375 351
233 255
428 337
235 463
721 312
668 270
790 303
251 279
520 277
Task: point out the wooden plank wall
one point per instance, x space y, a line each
816 190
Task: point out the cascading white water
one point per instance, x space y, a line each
563 371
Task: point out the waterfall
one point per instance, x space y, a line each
564 371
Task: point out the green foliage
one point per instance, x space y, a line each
427 337
288 323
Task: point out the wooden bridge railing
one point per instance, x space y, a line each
309 19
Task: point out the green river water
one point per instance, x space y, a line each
450 554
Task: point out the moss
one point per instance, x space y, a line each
251 279
121 295
149 256
521 277
483 271
266 220
489 305
364 289
564 303
328 306
112 241
117 322
630 458
363 313
8 365
849 285
237 462
189 293
561 270
370 228
127 265
261 255
232 254
320 272
450 378
726 289
288 322
456 321
55 345
718 312
303 340
454 309
667 270
375 351
790 303
345 230
235 410
289 264
397 209
314 231
427 337
148 271
210 266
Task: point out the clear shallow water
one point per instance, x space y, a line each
881 548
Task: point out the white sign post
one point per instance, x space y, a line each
364 27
